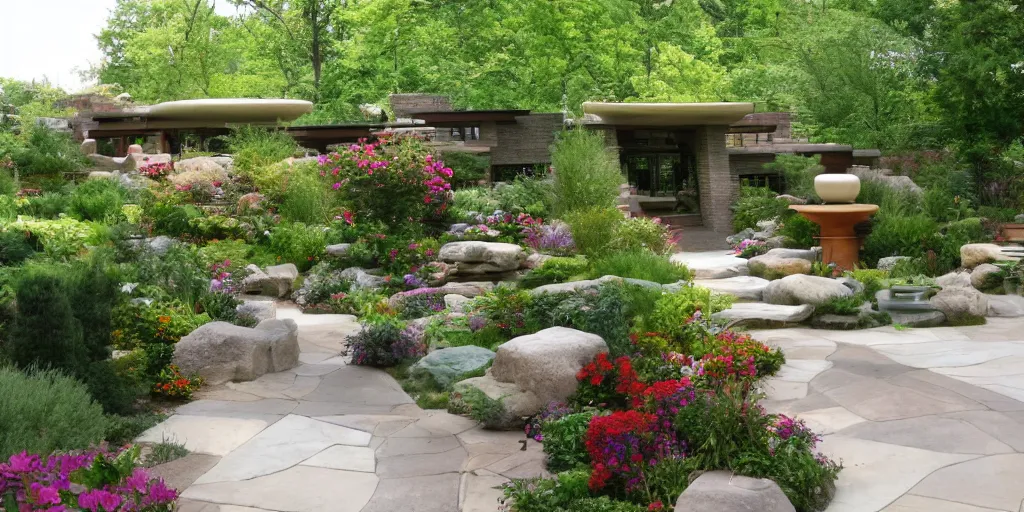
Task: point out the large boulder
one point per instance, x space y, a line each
972 255
136 160
199 164
722 491
258 310
587 284
88 147
743 288
448 364
954 280
711 265
889 262
103 163
757 314
800 289
221 352
778 263
275 281
362 279
476 258
885 177
338 250
961 305
986 277
531 371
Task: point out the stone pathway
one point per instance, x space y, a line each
330 437
923 419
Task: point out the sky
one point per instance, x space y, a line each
54 38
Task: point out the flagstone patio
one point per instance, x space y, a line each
923 419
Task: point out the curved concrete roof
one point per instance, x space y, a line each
667 114
231 110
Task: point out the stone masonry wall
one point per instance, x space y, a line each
528 141
405 105
718 186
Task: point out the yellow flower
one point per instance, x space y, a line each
164 319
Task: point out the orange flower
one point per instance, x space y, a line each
164 319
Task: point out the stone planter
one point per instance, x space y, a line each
837 188
1012 232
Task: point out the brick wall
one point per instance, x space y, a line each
750 163
405 105
527 141
783 128
718 187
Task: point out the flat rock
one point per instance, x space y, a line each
517 402
258 309
743 288
724 491
802 289
204 434
284 444
954 279
221 352
294 489
482 257
711 265
917 318
758 313
992 482
181 473
456 302
972 255
275 281
547 361
778 263
349 458
436 493
338 250
444 366
937 434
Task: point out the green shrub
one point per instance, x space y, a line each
44 411
799 232
587 175
298 243
306 199
177 274
673 309
551 494
48 151
955 235
606 313
489 412
45 331
754 205
890 201
220 306
639 265
255 148
125 429
798 172
840 306
641 233
114 392
555 270
8 187
467 169
593 229
97 200
237 252
563 441
170 219
383 344
807 482
872 279
480 200
895 235
533 196
46 206
8 209
14 247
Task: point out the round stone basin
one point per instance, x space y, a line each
839 242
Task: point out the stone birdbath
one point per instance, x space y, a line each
839 243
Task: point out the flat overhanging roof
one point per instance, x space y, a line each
666 114
464 117
808 148
207 112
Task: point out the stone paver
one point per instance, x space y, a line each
923 420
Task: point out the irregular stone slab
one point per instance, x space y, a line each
829 420
781 390
204 434
711 265
972 255
954 279
917 318
1005 306
874 474
282 445
349 458
481 257
405 446
296 489
802 370
722 490
949 354
437 493
441 422
992 482
912 503
259 310
222 352
778 263
1004 375
444 366
358 385
481 492
878 400
760 314
456 302
265 408
547 361
937 434
469 289
800 289
996 424
425 464
275 281
743 288
181 473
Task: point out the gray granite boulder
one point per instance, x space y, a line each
338 250
361 279
778 263
986 277
475 258
745 234
275 281
531 371
456 302
199 164
791 199
585 284
961 304
722 491
447 364
221 352
88 147
972 255
801 289
259 310
890 262
954 280
854 285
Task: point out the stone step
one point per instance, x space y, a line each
767 315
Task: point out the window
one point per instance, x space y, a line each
466 133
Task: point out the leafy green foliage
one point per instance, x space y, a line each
96 200
555 270
799 173
840 306
43 411
586 176
563 441
298 243
306 200
47 151
799 231
255 148
639 265
488 411
14 247
754 205
593 229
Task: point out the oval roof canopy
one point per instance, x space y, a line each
231 110
667 114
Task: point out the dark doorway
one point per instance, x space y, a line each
660 167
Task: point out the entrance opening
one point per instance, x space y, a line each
661 170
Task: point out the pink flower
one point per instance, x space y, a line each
336 186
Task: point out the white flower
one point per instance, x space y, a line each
128 287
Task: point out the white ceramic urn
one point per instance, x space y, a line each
837 188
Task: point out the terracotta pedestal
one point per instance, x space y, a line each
839 243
